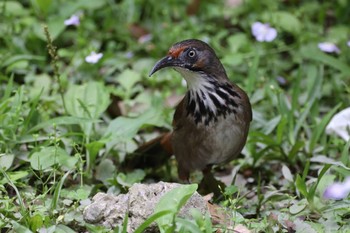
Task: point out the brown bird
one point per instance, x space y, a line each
211 123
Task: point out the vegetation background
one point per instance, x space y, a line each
67 124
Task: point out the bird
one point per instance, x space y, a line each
211 122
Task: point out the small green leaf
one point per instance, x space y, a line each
49 156
296 208
127 180
36 222
6 160
287 174
284 20
105 170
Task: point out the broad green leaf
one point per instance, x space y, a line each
105 170
284 20
88 100
6 160
187 225
151 219
55 25
128 78
49 156
296 208
173 201
36 222
43 5
12 8
63 120
122 129
127 180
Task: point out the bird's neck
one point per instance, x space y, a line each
209 97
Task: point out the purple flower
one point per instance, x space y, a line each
338 190
73 20
348 43
263 32
93 57
328 47
145 38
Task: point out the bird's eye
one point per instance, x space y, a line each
191 53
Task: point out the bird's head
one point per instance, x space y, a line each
193 59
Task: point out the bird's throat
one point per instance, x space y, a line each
208 98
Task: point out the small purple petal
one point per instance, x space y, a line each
129 54
263 32
145 38
93 57
328 47
348 43
338 190
73 20
270 35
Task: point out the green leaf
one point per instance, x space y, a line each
127 79
36 222
287 174
173 201
301 186
88 100
127 180
105 170
313 53
49 156
43 5
321 126
12 8
151 219
6 160
296 208
122 129
284 20
326 160
63 120
13 176
58 189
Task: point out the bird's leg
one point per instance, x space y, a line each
210 184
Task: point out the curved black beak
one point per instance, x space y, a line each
167 61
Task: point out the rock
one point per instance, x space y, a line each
109 210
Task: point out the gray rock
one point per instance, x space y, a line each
109 210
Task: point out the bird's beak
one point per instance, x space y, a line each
167 61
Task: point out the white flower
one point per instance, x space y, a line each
263 32
340 124
328 47
73 20
93 57
338 190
